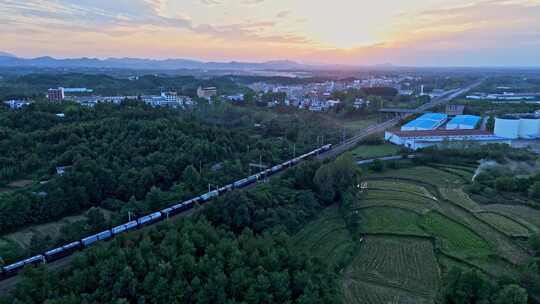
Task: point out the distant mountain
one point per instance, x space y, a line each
137 63
4 54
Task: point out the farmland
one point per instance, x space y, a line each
374 151
415 224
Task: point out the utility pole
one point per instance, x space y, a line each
129 216
294 150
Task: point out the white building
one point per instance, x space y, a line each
17 104
415 140
518 127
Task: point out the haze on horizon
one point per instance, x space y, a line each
353 32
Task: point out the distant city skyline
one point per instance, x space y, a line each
351 32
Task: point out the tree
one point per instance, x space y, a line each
377 166
96 220
534 242
511 294
505 183
39 243
534 191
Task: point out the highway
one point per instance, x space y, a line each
9 284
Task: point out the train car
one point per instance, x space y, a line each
225 189
91 240
124 227
208 196
276 168
241 183
13 269
327 147
60 252
252 179
287 164
167 211
149 219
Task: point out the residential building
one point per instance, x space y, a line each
17 104
56 94
206 93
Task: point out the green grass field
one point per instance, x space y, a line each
374 151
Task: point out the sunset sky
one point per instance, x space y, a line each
355 32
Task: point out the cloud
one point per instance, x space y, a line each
210 2
283 14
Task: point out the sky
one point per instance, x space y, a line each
351 32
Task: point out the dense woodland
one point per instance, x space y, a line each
124 158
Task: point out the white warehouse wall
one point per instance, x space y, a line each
507 128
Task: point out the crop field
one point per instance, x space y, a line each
326 237
399 195
417 223
390 220
527 216
426 174
374 151
398 186
457 196
505 224
406 264
456 238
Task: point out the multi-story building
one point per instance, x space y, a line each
56 94
206 93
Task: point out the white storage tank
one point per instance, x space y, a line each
507 127
529 127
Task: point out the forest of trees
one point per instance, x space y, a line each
125 157
237 250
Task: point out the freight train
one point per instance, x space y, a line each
68 249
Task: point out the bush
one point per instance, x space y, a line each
376 166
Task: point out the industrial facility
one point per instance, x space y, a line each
525 126
434 128
463 122
428 121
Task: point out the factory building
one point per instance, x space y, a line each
426 122
518 127
415 140
463 122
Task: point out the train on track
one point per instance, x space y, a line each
68 249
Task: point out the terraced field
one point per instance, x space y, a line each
527 216
505 224
396 269
417 223
390 220
456 239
